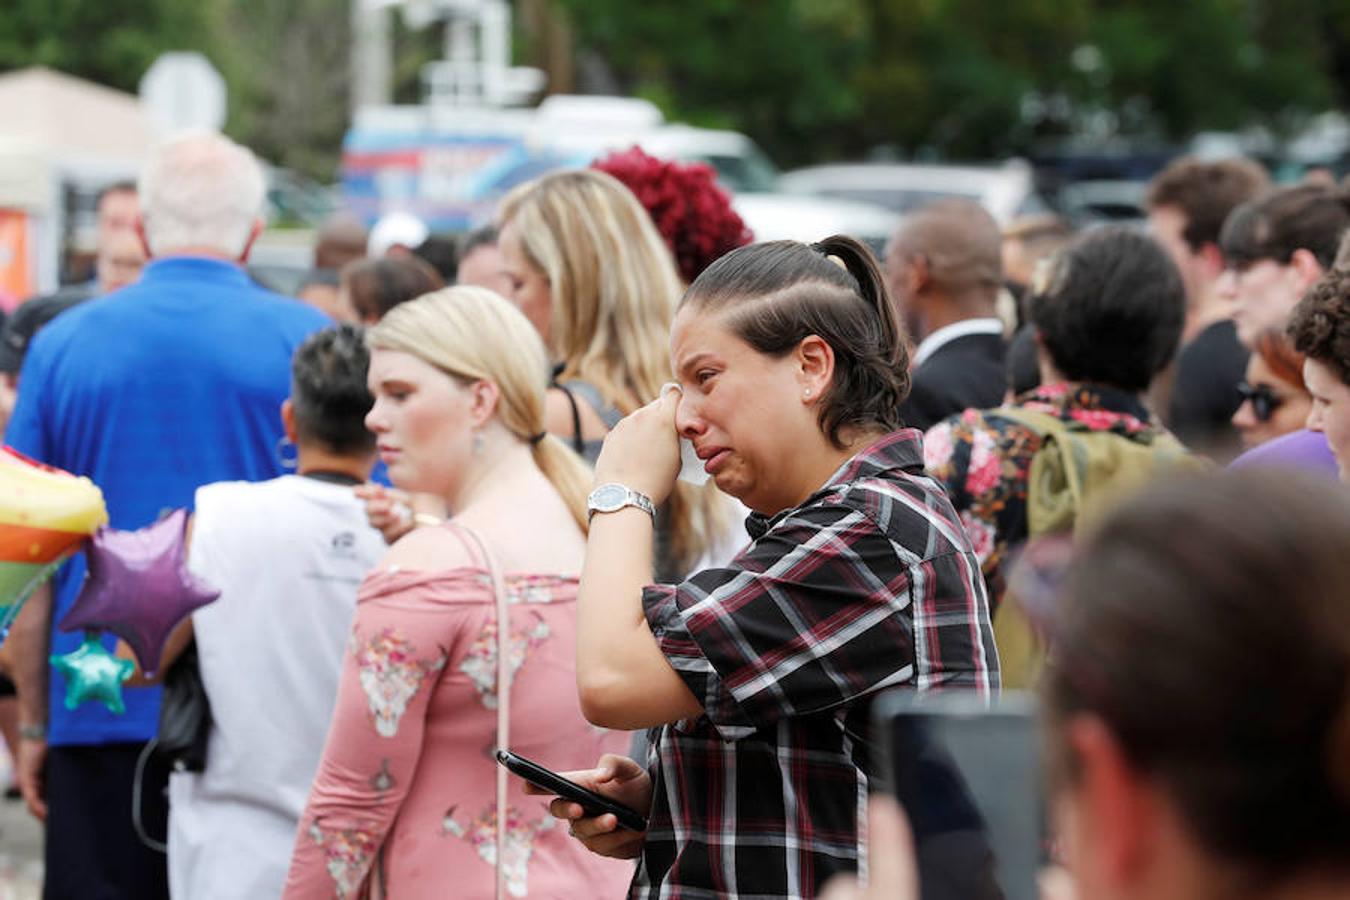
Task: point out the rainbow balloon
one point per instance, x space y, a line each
45 515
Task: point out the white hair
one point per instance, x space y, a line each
201 191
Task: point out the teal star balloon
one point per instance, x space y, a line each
92 673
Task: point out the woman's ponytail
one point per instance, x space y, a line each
859 262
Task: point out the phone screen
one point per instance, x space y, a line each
969 779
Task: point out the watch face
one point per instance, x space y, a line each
608 497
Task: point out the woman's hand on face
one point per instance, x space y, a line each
642 452
388 510
617 777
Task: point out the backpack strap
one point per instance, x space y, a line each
1075 476
1055 478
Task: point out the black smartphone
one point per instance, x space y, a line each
594 804
968 777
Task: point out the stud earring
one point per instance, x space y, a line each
806 394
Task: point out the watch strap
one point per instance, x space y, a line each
631 498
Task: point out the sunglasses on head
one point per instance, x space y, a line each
1264 401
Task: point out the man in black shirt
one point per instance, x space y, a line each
1188 202
944 270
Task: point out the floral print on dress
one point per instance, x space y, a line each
390 675
985 465
348 853
983 460
531 591
481 833
480 662
981 533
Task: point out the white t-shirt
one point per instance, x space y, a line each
287 556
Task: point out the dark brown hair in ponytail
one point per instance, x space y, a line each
778 293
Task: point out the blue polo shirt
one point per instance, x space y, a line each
152 391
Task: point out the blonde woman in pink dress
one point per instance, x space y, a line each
405 801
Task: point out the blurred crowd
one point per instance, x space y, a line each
608 484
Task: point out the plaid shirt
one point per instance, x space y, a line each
870 583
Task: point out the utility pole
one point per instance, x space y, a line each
372 65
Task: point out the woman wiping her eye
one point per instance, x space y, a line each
757 676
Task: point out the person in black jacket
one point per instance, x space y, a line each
1187 205
944 269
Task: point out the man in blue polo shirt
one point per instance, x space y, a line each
151 391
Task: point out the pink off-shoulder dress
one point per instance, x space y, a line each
404 802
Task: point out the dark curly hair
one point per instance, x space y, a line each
693 214
1320 323
780 292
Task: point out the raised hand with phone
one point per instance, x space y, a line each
790 369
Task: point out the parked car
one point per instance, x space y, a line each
451 167
1007 191
1097 202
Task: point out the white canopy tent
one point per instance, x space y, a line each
59 133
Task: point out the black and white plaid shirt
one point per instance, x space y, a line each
868 584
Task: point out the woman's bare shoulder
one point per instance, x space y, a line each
431 549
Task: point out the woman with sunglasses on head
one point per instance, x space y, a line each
757 676
1274 399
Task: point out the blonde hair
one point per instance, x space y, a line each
614 289
472 334
612 280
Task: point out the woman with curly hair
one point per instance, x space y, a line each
1320 328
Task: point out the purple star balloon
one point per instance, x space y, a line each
139 587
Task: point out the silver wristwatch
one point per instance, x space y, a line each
614 497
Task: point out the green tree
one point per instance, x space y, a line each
111 42
970 78
287 65
769 67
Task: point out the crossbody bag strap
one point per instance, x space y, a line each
503 698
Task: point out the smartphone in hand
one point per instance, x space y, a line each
594 804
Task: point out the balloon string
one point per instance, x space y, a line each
10 612
136 788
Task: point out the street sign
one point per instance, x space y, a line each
183 92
